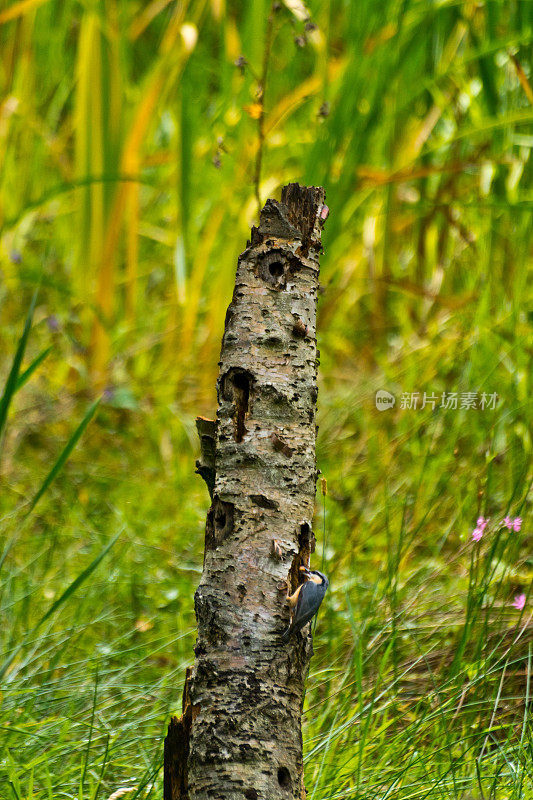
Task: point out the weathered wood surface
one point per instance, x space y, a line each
240 735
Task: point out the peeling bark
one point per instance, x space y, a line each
240 733
205 466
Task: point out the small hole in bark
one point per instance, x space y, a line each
242 395
219 523
284 778
273 269
236 387
303 538
251 794
276 269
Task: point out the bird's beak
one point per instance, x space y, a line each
305 570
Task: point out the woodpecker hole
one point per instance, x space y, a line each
236 385
284 778
306 541
306 546
301 559
241 394
219 525
276 269
273 268
303 538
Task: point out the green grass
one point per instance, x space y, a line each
128 155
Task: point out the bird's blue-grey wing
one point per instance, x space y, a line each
301 610
309 599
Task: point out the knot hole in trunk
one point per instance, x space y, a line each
306 542
306 546
273 269
220 522
236 386
284 778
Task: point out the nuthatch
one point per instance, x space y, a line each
306 600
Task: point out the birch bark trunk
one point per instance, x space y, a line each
240 734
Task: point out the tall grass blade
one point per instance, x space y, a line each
82 577
13 377
35 364
69 591
67 450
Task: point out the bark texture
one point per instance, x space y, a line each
240 734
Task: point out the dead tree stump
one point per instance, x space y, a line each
240 734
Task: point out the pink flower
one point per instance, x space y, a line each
517 524
519 602
508 522
481 524
477 533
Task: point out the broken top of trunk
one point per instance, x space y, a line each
295 218
245 694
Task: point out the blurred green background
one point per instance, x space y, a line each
135 141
